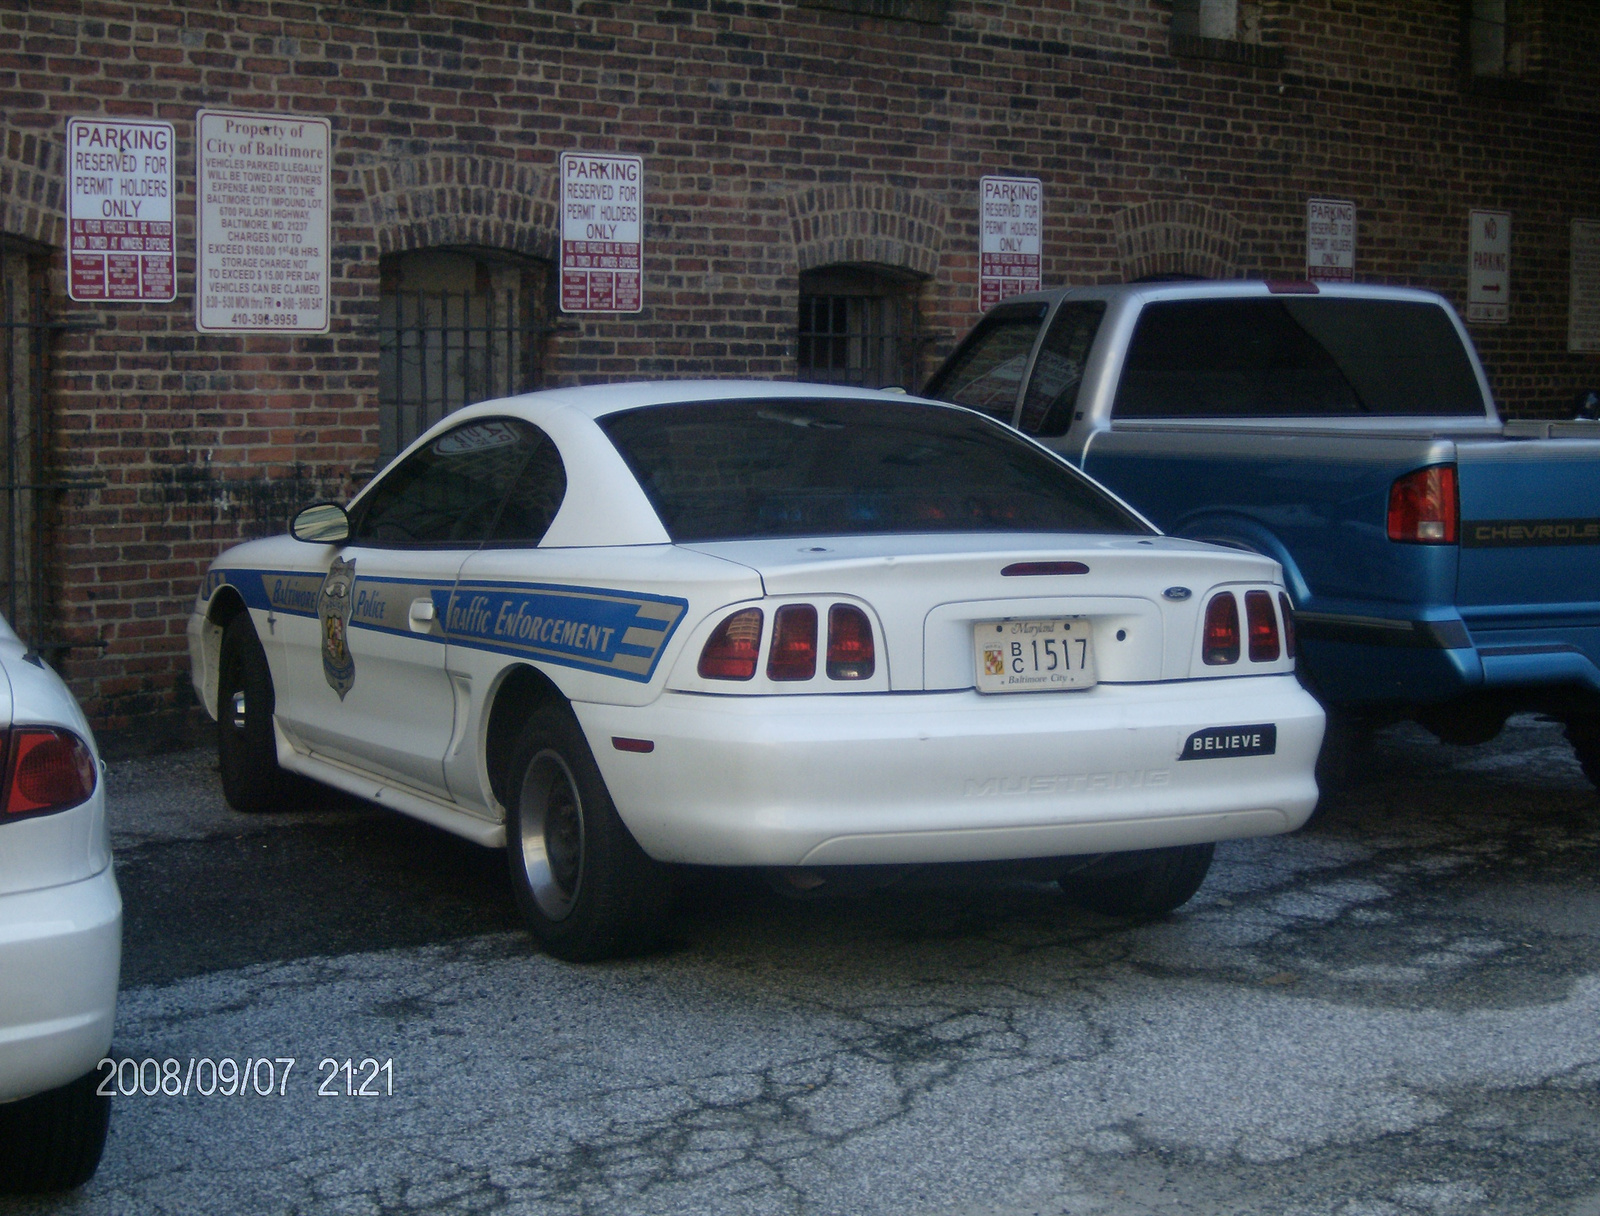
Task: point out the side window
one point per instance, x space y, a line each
534 499
986 371
449 493
1058 371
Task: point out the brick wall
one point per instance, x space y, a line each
777 138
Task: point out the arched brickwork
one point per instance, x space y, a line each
866 224
32 184
1175 236
462 200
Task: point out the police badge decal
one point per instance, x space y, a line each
333 610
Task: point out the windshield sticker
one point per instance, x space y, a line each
333 609
475 438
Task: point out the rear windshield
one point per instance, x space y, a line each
731 470
986 372
1296 358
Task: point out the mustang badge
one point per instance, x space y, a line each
333 610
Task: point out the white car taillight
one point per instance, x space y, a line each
1221 645
1288 625
851 655
47 770
794 643
1263 623
731 651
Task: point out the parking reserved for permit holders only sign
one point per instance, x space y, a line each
261 239
602 233
1010 241
119 211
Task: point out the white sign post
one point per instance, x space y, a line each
1330 240
1489 267
262 234
119 210
1583 302
1011 240
602 233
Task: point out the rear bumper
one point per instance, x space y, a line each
60 954
957 776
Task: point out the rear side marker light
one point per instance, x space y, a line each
851 655
633 745
1263 621
1288 625
46 770
1016 569
1221 643
732 649
1423 508
794 643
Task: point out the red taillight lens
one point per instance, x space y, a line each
1263 623
850 651
48 770
1222 630
731 651
1288 625
794 643
1423 508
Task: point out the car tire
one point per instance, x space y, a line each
247 747
1147 884
53 1141
1583 732
586 888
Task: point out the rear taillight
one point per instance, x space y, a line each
1288 625
46 770
850 650
733 647
1222 630
1263 622
1423 508
794 643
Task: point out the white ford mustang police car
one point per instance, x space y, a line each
751 624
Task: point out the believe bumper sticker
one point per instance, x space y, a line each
1222 742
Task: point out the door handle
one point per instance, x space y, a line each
421 616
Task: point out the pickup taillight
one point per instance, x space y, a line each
1423 507
46 770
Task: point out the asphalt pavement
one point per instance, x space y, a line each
1393 1011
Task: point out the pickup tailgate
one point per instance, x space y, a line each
1530 534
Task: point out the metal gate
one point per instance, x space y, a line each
29 498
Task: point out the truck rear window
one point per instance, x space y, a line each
1296 358
986 372
733 470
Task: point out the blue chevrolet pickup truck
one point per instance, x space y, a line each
1444 565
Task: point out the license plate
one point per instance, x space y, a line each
1046 654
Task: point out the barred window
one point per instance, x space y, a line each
858 325
456 327
1497 38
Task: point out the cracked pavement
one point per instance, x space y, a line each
1394 1011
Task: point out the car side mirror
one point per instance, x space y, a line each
322 523
1586 405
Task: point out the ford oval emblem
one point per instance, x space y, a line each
1177 593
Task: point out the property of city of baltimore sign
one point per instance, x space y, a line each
602 233
1489 267
1330 240
1010 242
119 210
261 234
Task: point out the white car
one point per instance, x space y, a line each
750 624
60 932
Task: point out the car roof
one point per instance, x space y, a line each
599 400
1218 289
